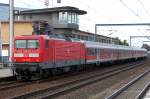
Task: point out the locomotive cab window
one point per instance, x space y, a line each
33 44
26 44
20 43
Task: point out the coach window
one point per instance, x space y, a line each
46 44
89 51
92 51
95 51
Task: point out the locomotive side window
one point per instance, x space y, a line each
20 44
33 44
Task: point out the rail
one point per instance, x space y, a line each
117 93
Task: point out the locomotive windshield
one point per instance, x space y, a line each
26 44
20 44
32 43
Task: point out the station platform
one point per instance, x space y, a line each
5 72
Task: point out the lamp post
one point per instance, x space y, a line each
11 28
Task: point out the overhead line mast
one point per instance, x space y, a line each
11 28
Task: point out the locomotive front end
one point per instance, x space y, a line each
26 51
26 57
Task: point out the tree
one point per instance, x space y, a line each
124 42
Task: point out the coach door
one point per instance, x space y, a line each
98 55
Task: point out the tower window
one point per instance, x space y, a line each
68 17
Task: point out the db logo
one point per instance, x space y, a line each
68 51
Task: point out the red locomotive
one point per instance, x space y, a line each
38 56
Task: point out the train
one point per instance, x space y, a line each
39 56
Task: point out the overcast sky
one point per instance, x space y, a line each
105 11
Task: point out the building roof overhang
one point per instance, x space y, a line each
56 9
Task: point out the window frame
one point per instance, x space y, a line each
32 42
20 47
26 44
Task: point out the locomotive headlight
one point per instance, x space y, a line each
34 55
18 55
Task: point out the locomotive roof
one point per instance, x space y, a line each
54 37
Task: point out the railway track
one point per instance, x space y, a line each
135 89
7 83
69 86
14 84
144 92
